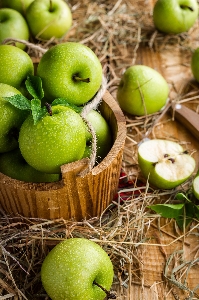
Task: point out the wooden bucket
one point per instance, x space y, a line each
74 196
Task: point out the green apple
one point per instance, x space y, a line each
195 185
11 119
14 165
195 64
175 16
142 90
165 164
103 135
56 139
72 269
49 18
74 72
15 66
19 5
13 25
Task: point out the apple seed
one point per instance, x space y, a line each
172 160
109 295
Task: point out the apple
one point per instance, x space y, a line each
14 165
103 135
73 268
49 18
142 90
165 164
11 119
15 66
195 185
19 5
175 16
13 25
56 139
74 73
195 64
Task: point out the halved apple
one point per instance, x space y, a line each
165 164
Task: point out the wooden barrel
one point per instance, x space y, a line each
75 196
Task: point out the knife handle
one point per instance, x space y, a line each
188 117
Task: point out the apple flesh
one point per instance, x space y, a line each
74 73
175 16
11 119
142 90
49 18
13 25
72 267
55 140
165 164
14 165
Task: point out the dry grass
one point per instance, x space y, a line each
117 31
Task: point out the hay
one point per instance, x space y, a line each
117 31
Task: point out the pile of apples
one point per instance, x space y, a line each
34 19
41 124
143 91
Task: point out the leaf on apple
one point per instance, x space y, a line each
34 86
19 101
37 111
64 101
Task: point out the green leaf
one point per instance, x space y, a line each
182 197
64 102
197 211
188 215
168 210
34 86
19 101
38 112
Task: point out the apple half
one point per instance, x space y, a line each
165 164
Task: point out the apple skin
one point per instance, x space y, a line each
15 66
175 16
11 119
46 22
63 61
55 140
195 185
13 25
71 267
103 135
156 161
195 64
18 5
138 83
14 165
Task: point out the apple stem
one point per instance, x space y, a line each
77 78
185 6
49 108
51 6
109 294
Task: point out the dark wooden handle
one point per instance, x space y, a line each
188 117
